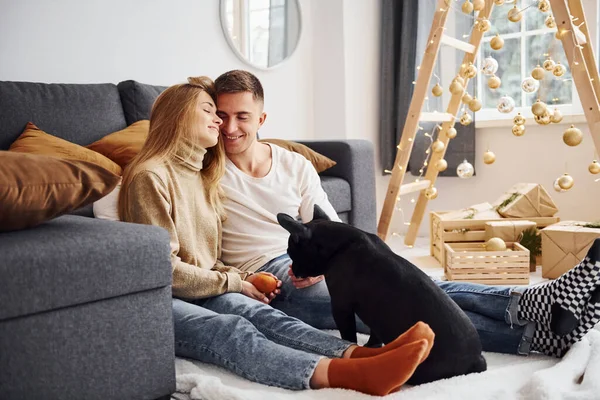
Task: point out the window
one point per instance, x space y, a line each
257 29
527 43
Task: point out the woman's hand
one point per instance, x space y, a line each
248 289
251 291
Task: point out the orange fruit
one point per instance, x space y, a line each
265 283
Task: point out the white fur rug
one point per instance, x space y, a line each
575 377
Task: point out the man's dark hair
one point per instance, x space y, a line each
239 81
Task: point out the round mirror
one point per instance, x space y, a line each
263 33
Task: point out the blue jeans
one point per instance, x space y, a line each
492 309
252 340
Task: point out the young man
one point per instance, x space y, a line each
262 180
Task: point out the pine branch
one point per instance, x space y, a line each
532 241
506 202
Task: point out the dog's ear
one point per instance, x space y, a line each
298 230
318 213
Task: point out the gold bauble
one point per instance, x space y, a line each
465 119
451 133
559 34
544 6
519 119
538 73
438 146
456 88
566 182
437 90
572 136
441 165
518 130
467 98
459 79
495 244
594 167
498 2
497 42
431 193
483 25
514 15
538 108
475 105
494 82
543 119
556 116
478 5
549 64
489 157
559 69
550 22
470 71
467 7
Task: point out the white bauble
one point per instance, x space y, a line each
465 170
506 104
489 66
530 85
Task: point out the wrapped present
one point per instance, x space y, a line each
526 200
478 211
509 231
564 245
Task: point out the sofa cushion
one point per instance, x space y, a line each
137 99
37 188
79 113
123 145
35 141
338 193
319 161
74 260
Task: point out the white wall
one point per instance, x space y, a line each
152 41
329 69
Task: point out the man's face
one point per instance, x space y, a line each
242 117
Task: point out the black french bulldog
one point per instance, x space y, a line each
388 293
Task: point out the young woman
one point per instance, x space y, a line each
219 315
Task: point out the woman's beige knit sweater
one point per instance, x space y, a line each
171 194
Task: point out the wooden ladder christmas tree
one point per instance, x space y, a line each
569 17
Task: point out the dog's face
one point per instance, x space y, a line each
312 245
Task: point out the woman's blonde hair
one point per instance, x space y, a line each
171 122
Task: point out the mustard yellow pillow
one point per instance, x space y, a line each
35 141
319 161
123 145
35 188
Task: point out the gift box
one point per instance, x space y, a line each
509 231
478 211
444 230
525 200
564 245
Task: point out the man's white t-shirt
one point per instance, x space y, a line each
251 234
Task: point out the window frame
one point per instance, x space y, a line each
490 115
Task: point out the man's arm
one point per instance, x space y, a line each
312 193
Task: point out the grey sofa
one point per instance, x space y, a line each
85 304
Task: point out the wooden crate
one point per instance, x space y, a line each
465 230
470 262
